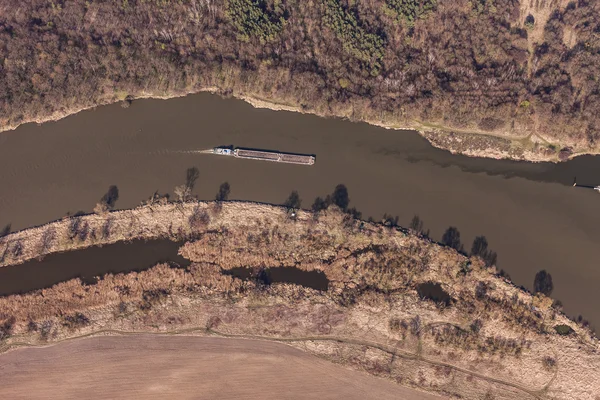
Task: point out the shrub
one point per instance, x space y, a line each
481 290
563 330
395 324
199 218
356 41
411 10
476 326
76 320
529 22
6 328
46 329
152 297
32 326
565 153
252 20
549 362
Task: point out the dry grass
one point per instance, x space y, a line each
371 317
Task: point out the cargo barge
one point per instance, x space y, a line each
265 155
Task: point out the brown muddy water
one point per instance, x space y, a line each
311 279
529 213
88 264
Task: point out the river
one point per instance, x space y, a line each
529 213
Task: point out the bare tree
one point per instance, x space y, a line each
182 192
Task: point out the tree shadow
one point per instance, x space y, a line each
191 176
110 197
6 230
417 226
339 197
451 238
543 283
480 249
223 193
293 200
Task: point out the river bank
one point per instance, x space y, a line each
491 337
404 75
531 147
65 167
173 221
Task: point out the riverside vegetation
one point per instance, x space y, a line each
396 305
497 78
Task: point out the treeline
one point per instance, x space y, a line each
463 63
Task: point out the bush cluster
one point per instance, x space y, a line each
356 41
252 20
411 10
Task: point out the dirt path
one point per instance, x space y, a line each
183 367
533 392
536 393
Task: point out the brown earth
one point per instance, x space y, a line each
159 367
490 339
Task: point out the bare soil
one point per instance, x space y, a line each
159 367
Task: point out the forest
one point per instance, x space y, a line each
486 65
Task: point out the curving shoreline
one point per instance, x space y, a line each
471 143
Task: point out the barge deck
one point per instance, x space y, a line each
265 155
